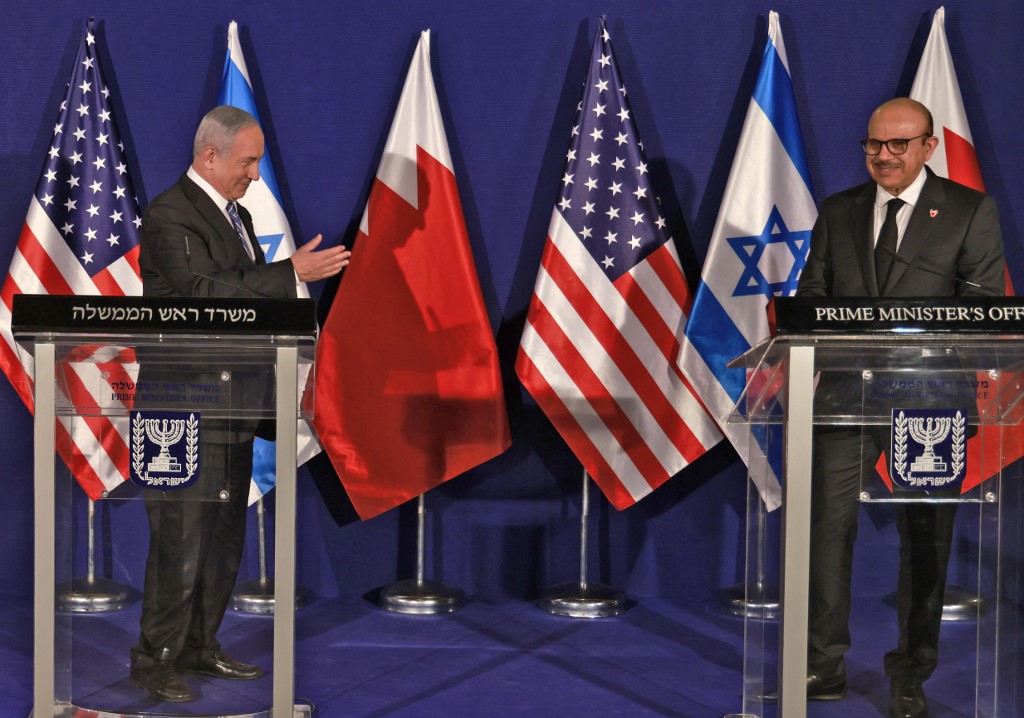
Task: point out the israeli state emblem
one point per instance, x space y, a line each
164 449
929 448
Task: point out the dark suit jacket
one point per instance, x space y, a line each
185 210
953 230
214 250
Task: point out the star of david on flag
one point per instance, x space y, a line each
758 247
773 250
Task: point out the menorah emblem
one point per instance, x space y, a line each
176 464
923 430
929 432
164 433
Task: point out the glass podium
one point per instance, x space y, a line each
132 396
928 396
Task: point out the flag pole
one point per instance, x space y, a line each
419 596
583 599
91 594
257 595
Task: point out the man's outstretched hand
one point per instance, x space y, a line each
312 266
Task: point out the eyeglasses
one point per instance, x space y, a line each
896 146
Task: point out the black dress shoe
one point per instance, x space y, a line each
162 682
818 689
906 700
219 664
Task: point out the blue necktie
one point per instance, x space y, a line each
237 222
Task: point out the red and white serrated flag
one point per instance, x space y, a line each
408 389
936 87
81 237
600 349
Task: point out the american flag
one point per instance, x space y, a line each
81 236
609 307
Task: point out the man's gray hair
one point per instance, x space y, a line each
219 128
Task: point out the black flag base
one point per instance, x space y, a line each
577 599
421 598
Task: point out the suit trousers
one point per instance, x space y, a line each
195 548
841 457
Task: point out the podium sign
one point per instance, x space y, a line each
147 383
930 387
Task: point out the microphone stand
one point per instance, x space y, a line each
959 280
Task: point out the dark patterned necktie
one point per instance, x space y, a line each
237 221
886 247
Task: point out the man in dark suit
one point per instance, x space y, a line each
197 242
906 233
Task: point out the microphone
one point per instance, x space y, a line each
188 265
918 267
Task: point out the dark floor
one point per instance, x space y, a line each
660 658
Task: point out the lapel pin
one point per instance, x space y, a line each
933 212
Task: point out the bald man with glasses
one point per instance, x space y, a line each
905 233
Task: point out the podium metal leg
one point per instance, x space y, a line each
43 632
796 528
418 596
581 599
283 675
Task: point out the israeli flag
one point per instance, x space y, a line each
758 248
263 200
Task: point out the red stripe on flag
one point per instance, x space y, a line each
7 292
665 265
10 362
597 396
132 257
570 430
37 257
636 370
84 401
106 285
670 273
962 161
648 315
16 374
82 471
